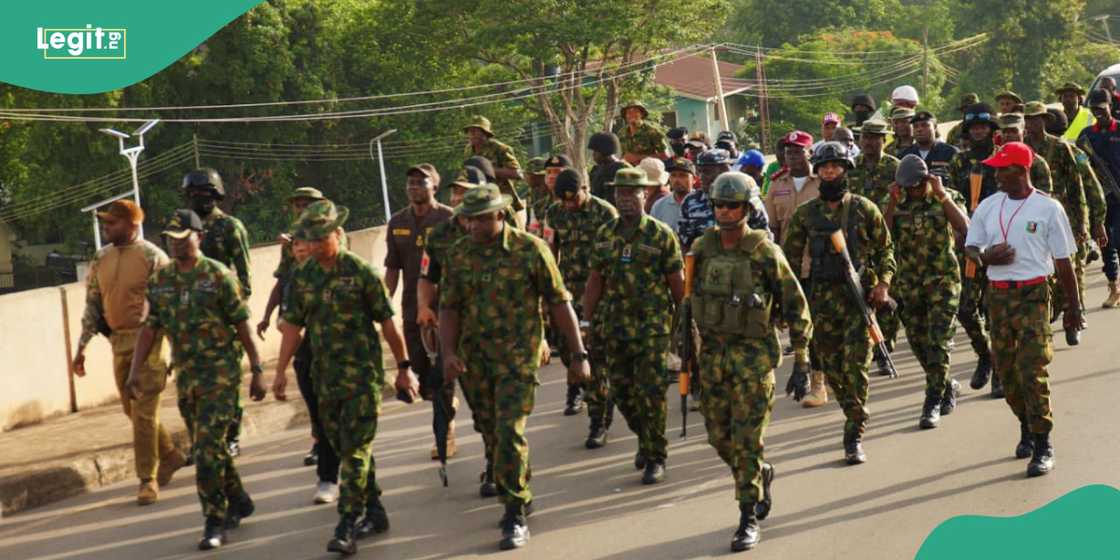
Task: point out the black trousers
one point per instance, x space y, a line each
327 468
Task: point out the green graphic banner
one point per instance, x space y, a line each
76 46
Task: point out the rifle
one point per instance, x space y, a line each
855 290
975 183
441 419
689 370
1110 181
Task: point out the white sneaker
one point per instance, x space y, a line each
326 492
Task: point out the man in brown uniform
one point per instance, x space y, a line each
408 229
116 290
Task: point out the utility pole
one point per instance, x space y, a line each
194 138
925 62
763 99
380 159
723 120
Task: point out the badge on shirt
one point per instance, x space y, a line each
425 263
185 298
402 231
549 234
1032 227
627 255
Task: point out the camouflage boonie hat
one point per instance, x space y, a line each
309 193
1011 120
182 223
680 164
902 113
1036 109
483 199
1010 95
875 126
480 122
319 220
1071 86
968 99
536 166
641 106
632 177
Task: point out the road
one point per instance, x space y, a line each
590 504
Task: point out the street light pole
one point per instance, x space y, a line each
381 164
133 156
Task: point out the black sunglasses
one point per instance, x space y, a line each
727 205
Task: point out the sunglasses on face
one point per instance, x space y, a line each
974 116
720 204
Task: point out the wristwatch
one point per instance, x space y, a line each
404 364
577 357
256 369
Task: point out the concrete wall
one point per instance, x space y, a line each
39 329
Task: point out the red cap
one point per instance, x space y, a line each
830 118
799 138
1012 153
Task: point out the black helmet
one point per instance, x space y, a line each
831 151
714 156
206 177
482 164
979 113
605 143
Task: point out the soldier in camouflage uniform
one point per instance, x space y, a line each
197 302
956 136
496 284
226 240
903 132
696 208
540 196
1011 127
337 297
871 178
507 171
924 219
638 137
743 286
841 340
576 218
605 149
965 173
635 284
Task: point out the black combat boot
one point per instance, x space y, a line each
345 541
1043 461
639 461
1073 336
997 387
376 520
982 373
312 457
1025 448
762 508
881 363
239 508
487 489
213 534
655 471
853 450
597 435
515 528
949 399
574 403
747 535
931 413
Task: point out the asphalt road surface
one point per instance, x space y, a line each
590 504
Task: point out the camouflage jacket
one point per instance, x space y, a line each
963 166
437 246
647 140
501 155
924 246
875 247
339 307
1065 179
199 311
116 287
873 184
601 175
636 302
697 215
498 289
1094 191
227 242
575 233
894 149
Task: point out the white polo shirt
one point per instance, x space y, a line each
1036 227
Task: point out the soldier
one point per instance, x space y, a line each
1009 102
540 195
638 137
777 168
337 297
955 137
1102 139
635 284
1020 255
226 241
196 302
696 209
1011 126
407 230
937 155
322 455
491 325
905 96
678 139
841 340
481 142
576 218
967 174
903 132
871 178
682 175
116 287
742 278
924 219
516 219
863 107
605 149
1071 96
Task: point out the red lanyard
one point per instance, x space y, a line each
1006 229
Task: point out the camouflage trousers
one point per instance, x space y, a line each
736 400
597 393
638 381
349 422
843 349
973 310
501 396
889 323
927 312
1021 350
211 411
1058 298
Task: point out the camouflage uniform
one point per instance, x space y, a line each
339 307
199 311
1021 325
697 215
647 140
874 184
841 340
895 150
927 285
501 155
497 289
737 370
574 234
633 319
227 241
973 311
601 174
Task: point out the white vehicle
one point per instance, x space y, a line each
1110 72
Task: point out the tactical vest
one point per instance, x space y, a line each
826 265
726 301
